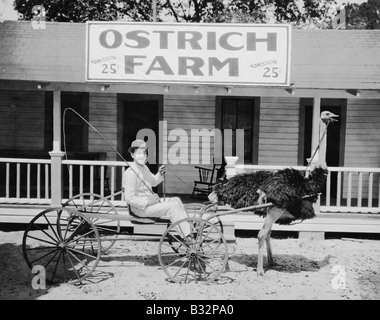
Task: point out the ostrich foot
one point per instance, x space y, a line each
272 263
260 272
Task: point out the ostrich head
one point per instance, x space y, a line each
327 116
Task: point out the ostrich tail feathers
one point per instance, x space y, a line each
241 190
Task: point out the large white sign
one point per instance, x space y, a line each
228 54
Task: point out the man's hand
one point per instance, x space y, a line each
162 170
153 199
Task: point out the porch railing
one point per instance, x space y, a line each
347 189
25 181
28 181
100 177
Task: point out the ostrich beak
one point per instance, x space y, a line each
328 117
332 116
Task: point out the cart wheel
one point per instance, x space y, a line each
203 258
199 210
193 210
64 242
108 227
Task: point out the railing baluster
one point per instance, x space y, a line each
339 189
47 181
28 180
370 189
112 182
38 181
102 181
349 189
122 194
360 189
328 189
70 181
92 178
7 169
81 178
18 180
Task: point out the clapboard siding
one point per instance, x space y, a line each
103 116
278 132
187 113
28 121
361 133
363 141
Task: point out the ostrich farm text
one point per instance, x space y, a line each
183 40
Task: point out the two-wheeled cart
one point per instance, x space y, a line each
69 241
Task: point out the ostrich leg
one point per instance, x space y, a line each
272 216
269 250
271 261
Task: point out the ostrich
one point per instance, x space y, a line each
291 193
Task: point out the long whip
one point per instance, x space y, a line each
113 148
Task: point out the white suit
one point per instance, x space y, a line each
137 192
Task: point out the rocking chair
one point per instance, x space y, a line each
206 180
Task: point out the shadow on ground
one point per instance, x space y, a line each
15 276
286 263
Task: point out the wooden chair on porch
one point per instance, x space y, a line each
207 179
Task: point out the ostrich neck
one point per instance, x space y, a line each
322 147
319 158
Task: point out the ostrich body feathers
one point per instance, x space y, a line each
285 189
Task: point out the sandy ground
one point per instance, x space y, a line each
309 270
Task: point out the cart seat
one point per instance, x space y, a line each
135 219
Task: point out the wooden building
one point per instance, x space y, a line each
42 72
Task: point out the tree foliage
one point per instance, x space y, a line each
300 13
363 16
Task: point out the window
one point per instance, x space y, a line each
76 130
240 113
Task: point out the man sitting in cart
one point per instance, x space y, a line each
138 181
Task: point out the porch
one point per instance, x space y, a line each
349 204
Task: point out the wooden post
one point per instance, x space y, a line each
56 154
315 135
230 166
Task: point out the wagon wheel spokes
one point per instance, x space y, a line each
51 240
199 210
108 227
81 236
81 245
203 258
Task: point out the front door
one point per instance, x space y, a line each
141 112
